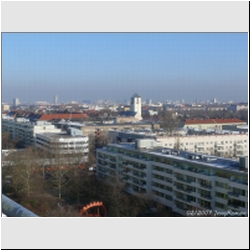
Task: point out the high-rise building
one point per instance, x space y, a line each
15 102
55 99
149 101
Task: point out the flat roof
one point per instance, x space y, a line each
62 135
206 160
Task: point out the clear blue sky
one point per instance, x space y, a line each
113 66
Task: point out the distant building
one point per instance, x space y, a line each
16 102
135 105
134 112
5 107
149 102
55 99
211 123
237 107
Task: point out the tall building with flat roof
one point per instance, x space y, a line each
16 102
55 99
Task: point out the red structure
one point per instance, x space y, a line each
93 209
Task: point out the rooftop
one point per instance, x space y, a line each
206 160
213 121
61 135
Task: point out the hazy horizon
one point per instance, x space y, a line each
113 66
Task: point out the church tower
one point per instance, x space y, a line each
135 104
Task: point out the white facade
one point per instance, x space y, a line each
226 145
63 143
135 105
25 130
55 99
177 180
16 102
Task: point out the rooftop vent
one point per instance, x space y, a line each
209 158
191 157
166 151
175 152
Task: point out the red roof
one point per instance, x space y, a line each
213 121
48 117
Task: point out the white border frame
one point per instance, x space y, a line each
124 17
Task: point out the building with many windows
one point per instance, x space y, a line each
25 130
212 123
180 180
70 143
225 145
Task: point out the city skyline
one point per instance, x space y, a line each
113 66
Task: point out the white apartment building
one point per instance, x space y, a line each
180 180
25 130
212 123
225 145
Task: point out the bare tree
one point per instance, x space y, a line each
169 122
58 170
23 170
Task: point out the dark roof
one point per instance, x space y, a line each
135 95
48 117
128 113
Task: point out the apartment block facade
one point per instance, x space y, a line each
224 145
25 130
180 180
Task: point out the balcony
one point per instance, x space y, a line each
220 149
206 196
233 194
206 186
239 143
185 190
182 179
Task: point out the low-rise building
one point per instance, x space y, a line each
212 123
